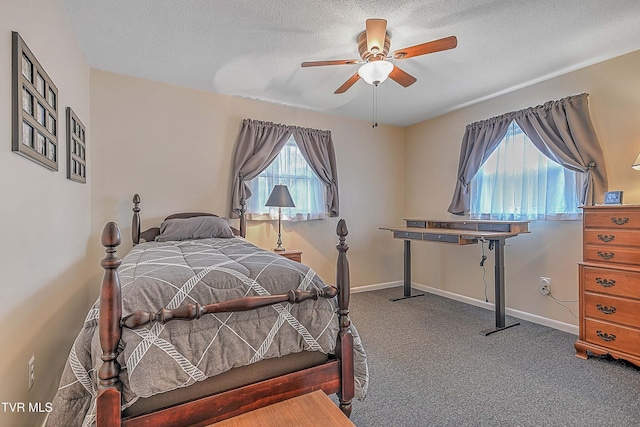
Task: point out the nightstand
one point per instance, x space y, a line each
293 255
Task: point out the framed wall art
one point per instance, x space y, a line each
76 148
35 108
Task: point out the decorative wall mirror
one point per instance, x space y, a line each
35 108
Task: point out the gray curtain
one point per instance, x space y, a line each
260 142
316 147
561 130
479 141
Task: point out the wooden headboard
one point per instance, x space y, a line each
150 234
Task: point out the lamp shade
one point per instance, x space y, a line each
636 164
375 72
280 197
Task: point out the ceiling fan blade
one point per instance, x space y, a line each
376 33
428 47
346 85
402 77
330 62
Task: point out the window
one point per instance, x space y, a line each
518 182
291 169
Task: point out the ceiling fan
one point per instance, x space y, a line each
373 47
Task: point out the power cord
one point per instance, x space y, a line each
560 301
484 271
484 280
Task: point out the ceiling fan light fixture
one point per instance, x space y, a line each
375 72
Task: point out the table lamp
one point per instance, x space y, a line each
280 198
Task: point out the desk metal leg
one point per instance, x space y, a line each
498 246
407 273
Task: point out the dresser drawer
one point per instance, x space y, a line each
615 337
612 309
612 255
614 219
610 282
611 237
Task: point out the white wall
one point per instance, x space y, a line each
174 146
552 249
45 219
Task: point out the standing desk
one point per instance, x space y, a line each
462 232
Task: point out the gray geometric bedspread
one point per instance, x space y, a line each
157 358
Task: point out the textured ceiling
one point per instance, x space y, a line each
253 48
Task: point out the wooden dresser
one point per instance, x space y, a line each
610 283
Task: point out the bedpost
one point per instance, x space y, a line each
344 344
135 222
108 400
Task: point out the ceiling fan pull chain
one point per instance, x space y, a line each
375 106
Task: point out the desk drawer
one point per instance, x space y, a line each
610 282
612 309
416 223
616 337
446 238
612 255
413 235
504 228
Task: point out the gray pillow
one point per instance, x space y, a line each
200 227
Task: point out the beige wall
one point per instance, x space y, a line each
45 219
553 248
175 147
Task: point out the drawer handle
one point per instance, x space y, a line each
619 221
605 309
605 336
606 237
606 255
605 283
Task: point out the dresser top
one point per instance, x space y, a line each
625 206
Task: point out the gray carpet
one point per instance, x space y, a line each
430 366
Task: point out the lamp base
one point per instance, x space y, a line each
279 249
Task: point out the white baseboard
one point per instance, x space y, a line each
376 287
534 318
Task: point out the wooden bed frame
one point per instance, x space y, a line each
333 376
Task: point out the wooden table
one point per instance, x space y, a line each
462 232
309 410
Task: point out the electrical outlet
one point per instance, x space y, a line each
32 371
544 286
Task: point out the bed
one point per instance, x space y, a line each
196 324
